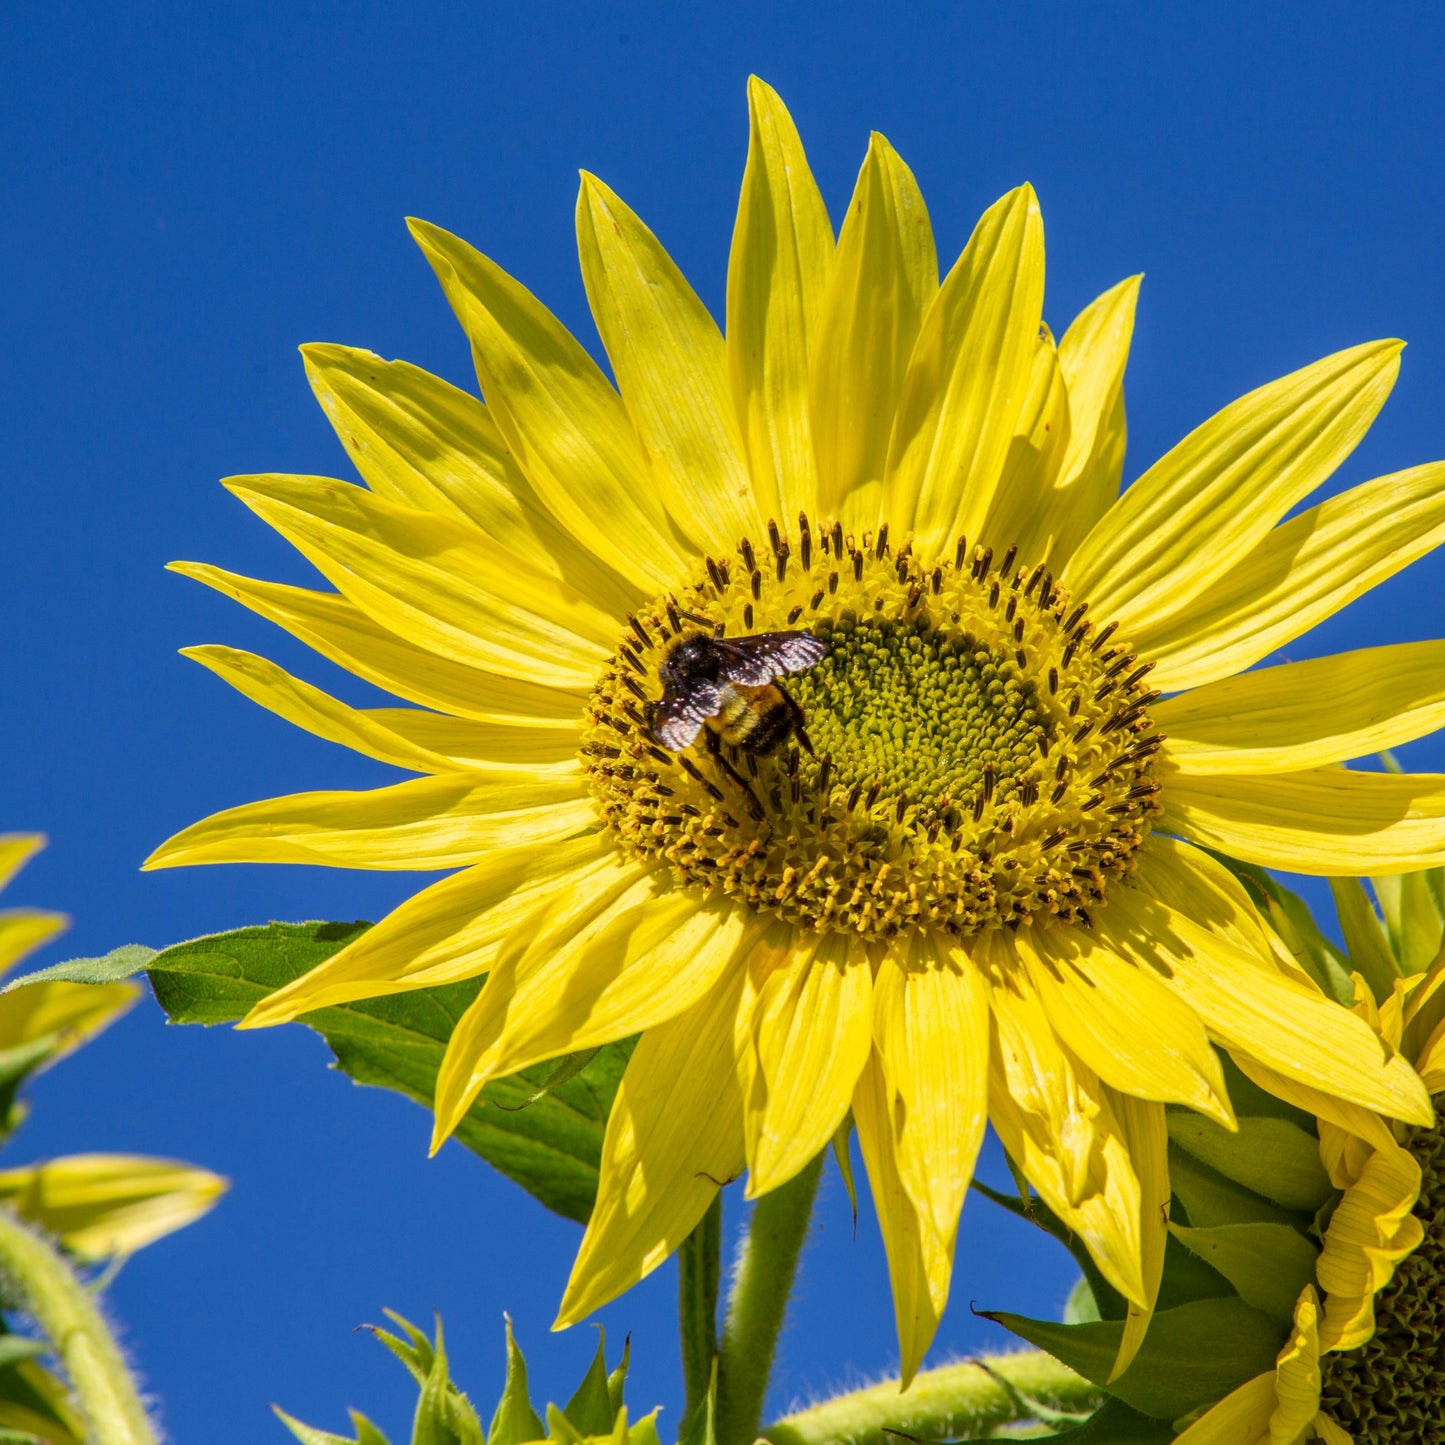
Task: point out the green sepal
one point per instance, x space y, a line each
309 1434
367 1433
515 1421
1081 1308
552 1147
1270 1157
560 1430
444 1416
1268 1264
120 963
417 1357
590 1410
701 1427
1210 1199
1113 1423
1365 938
617 1380
644 1432
1192 1354
843 1156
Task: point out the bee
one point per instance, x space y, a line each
727 688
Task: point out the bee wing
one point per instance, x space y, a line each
759 658
675 720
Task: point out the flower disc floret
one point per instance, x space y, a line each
982 752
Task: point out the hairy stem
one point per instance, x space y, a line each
699 1269
60 1304
956 1400
762 1282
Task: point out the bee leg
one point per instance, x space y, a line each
797 714
714 746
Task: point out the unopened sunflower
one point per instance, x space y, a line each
948 872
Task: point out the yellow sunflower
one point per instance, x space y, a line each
962 882
1368 1355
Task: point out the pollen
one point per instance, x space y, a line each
981 748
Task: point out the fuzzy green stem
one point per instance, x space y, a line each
950 1402
699 1270
49 1292
762 1282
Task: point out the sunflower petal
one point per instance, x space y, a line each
1304 714
467 743
675 1135
1147 1138
449 931
810 1035
1323 821
23 930
671 368
885 276
1304 571
73 1012
447 821
920 1263
560 417
968 377
782 253
16 850
436 580
1240 1418
1181 526
1290 1027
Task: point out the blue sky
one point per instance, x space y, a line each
191 192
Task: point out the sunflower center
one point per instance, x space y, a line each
970 750
1388 1390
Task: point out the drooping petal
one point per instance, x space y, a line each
1304 714
342 632
1147 1139
920 1263
967 378
1297 1374
674 1137
449 931
810 1037
671 367
1352 1118
782 254
23 930
446 821
435 580
930 1027
1289 1026
560 417
1240 1418
885 275
1123 1022
1302 572
1325 820
74 1013
1183 524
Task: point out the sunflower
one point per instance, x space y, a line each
969 879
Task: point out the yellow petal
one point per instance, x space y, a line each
1054 1117
99 1205
1292 1028
436 581
920 1262
468 743
561 419
930 1028
782 253
1353 1118
446 821
1182 525
448 931
1147 1140
671 368
1092 355
967 378
1305 570
16 850
675 1135
1297 1375
810 1036
1325 820
1126 1025
640 953
72 1012
1240 1418
885 275
342 632
423 444
23 930
1304 714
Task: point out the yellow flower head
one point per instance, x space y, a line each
934 863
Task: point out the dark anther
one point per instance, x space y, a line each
880 547
1022 658
978 805
634 717
1061 770
1035 577
933 830
993 596
955 843
1054 838
936 580
1029 793
1138 675
1074 705
901 809
1018 628
661 756
774 540
990 776
854 794
816 600
715 575
837 536
1115 668
1092 801
1069 651
959 553
874 788
1103 637
1060 788
635 688
756 582
901 567
1075 616
1044 743
1006 566
642 634
748 613
832 583
915 595
1083 731
857 566
783 553
745 549
825 772
673 615
1142 790
794 613
631 659
1011 609
696 618
1053 681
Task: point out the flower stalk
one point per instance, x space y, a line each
699 1272
50 1293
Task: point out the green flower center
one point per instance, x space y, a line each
981 751
1387 1391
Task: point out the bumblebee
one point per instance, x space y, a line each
727 687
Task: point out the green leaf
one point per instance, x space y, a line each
590 1410
308 1434
1081 1307
1268 1264
1192 1354
1113 1423
1271 1157
701 1427
1209 1198
515 1421
123 962
1365 938
550 1145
